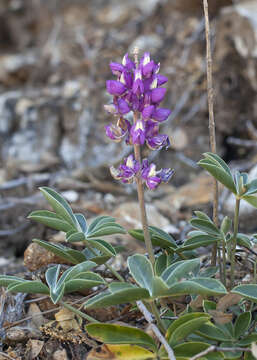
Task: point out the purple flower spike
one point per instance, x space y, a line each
147 69
115 87
137 133
158 95
161 114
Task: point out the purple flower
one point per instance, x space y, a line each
157 95
147 112
115 87
161 79
154 140
114 132
127 171
137 132
149 174
128 63
123 107
161 114
138 85
116 68
152 177
126 79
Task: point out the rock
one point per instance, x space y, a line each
150 42
128 215
36 257
60 355
70 195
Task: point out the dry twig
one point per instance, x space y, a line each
160 337
216 348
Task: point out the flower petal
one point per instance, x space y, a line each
158 95
161 114
115 87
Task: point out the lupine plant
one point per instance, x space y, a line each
155 280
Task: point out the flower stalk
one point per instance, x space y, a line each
234 241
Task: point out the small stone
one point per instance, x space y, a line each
60 355
71 89
70 195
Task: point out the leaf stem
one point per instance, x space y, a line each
224 260
78 312
233 248
157 317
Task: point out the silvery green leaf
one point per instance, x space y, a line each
162 262
82 222
243 240
142 271
60 206
251 199
50 219
103 246
207 226
52 275
30 287
123 296
71 255
179 270
251 188
98 221
73 271
76 237
158 237
202 215
215 159
197 241
6 280
106 229
248 291
198 286
242 324
83 281
159 287
219 174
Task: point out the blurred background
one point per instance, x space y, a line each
54 61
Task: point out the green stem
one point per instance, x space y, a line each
109 267
159 321
224 260
233 248
78 312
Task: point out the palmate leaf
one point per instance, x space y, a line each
56 292
117 334
50 219
104 225
82 222
76 237
162 262
6 280
60 206
74 271
83 281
